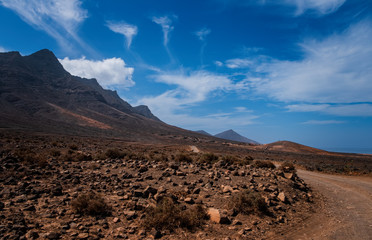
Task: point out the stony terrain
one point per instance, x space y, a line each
54 187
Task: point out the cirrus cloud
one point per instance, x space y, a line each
58 18
337 69
128 30
108 72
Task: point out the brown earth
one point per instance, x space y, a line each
41 175
347 209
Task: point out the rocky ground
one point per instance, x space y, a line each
71 188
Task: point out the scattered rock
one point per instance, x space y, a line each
282 197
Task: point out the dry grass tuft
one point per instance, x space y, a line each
115 153
248 202
263 164
208 158
167 215
91 204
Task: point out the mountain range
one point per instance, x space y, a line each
230 135
38 94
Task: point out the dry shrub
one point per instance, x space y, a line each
263 164
74 147
208 158
167 215
248 202
287 167
91 204
29 157
115 153
181 157
55 153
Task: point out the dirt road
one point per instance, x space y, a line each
347 210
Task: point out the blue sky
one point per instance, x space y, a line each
298 70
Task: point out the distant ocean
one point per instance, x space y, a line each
349 150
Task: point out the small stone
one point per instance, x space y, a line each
281 197
155 234
30 208
83 236
237 223
130 214
214 215
52 235
227 189
116 220
189 200
225 220
288 175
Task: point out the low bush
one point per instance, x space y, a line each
287 167
183 158
208 158
115 153
230 159
55 153
248 202
263 164
91 204
167 215
74 147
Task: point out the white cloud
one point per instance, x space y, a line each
344 110
191 87
2 49
242 109
108 72
320 6
128 30
307 107
238 63
203 33
58 18
337 69
166 24
218 63
322 122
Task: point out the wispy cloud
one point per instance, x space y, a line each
192 88
166 25
128 30
203 33
58 18
2 49
111 72
322 122
320 7
238 63
337 69
344 110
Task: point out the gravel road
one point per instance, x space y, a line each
347 209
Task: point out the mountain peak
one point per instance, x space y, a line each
145 111
45 61
234 136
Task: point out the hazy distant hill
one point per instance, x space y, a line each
234 136
203 132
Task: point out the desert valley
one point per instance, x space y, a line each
78 162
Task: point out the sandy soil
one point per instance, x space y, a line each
347 210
